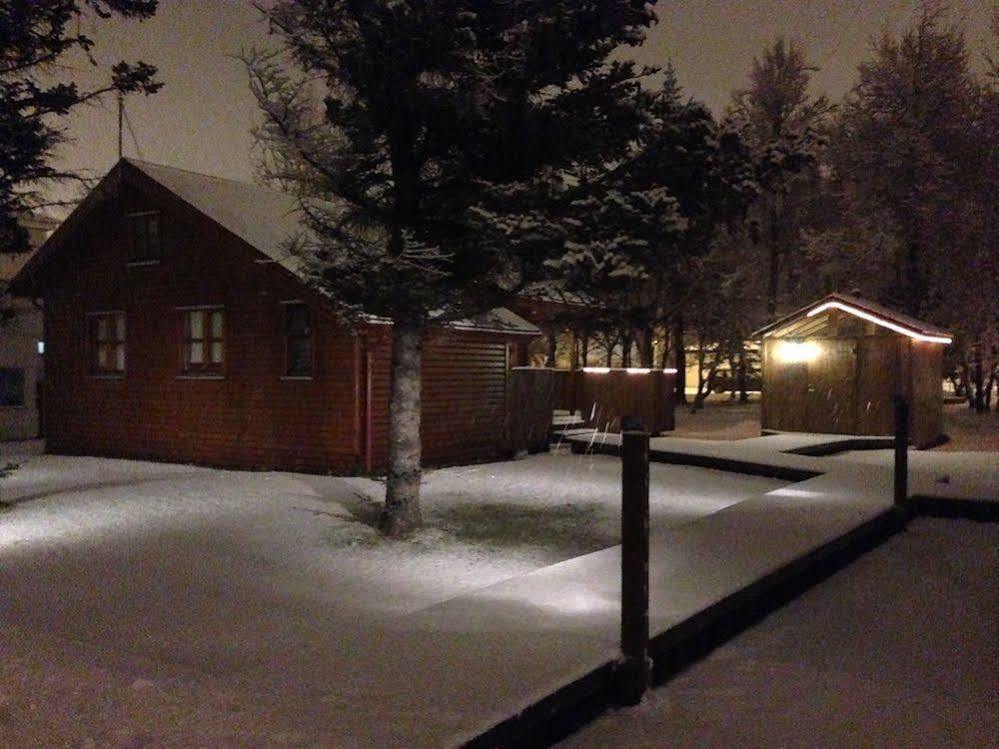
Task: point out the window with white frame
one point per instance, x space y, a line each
107 343
203 341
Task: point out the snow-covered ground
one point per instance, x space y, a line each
901 648
144 602
724 419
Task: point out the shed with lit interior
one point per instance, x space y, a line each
834 366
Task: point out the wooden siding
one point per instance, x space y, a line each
848 387
252 417
602 398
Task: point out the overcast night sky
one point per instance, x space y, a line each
202 117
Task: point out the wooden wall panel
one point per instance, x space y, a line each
832 388
926 393
252 418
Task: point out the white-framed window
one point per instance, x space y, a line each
202 340
106 337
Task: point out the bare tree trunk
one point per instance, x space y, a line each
402 492
664 354
704 384
646 349
743 391
552 348
584 347
774 277
979 381
967 392
680 360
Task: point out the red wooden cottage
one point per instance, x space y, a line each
176 328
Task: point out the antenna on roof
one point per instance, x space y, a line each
121 116
123 122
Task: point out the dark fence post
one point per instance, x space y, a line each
634 668
901 451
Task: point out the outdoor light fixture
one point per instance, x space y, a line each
638 370
596 370
669 370
915 335
797 352
41 347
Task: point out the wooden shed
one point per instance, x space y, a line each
834 366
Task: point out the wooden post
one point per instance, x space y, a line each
901 450
634 670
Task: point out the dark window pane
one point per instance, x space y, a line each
11 387
145 230
298 319
299 356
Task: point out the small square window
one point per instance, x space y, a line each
203 346
107 343
11 387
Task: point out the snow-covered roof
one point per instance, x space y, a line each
264 218
865 309
498 320
269 221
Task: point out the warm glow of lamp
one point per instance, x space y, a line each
915 335
797 352
638 370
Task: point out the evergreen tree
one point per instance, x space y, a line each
782 125
446 139
637 229
915 153
34 37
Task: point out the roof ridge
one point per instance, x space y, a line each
241 183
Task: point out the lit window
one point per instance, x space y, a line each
298 340
204 340
11 387
144 234
107 343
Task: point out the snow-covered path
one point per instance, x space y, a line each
899 649
187 606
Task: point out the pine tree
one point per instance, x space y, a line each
34 37
916 155
637 228
445 138
782 124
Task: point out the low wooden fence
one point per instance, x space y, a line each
602 396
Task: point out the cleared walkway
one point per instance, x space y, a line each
701 573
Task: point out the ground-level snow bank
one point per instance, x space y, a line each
901 648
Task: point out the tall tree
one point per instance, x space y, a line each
903 142
915 153
34 39
446 134
782 124
638 228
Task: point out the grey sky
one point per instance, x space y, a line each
202 117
